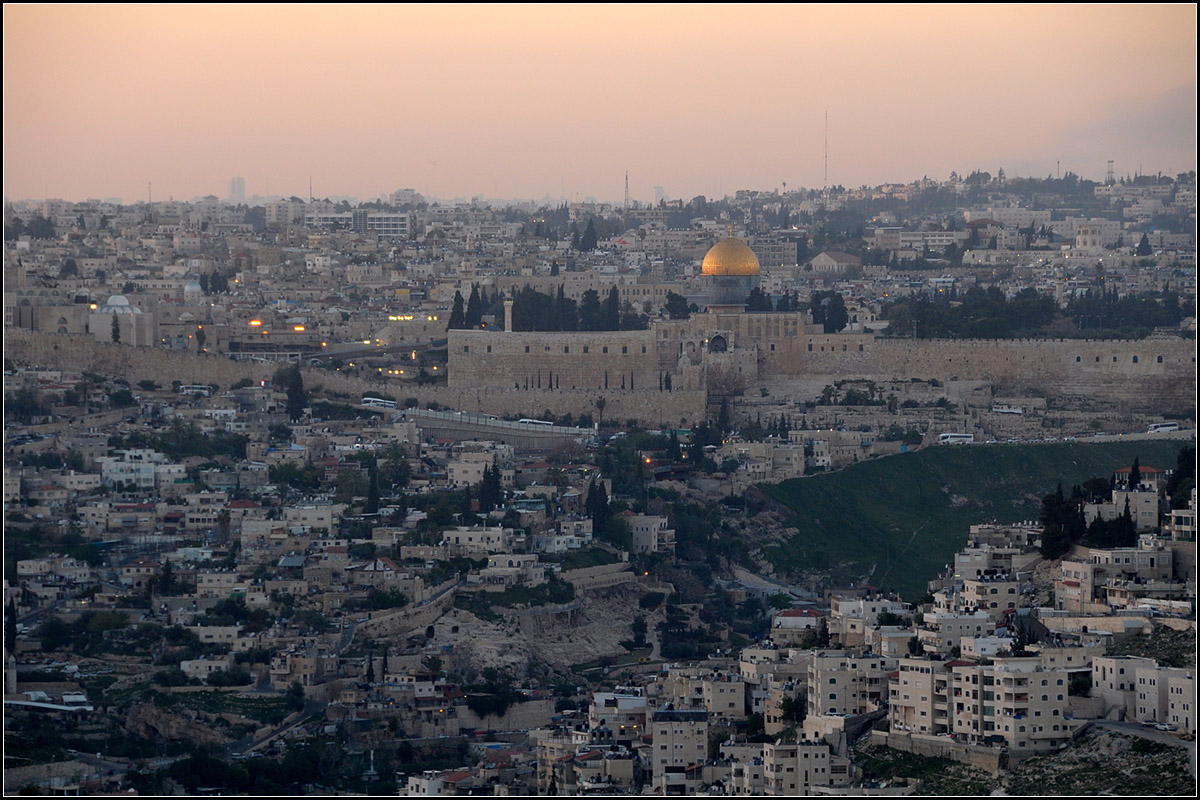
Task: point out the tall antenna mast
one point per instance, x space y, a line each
150 192
825 182
626 191
1109 177
310 195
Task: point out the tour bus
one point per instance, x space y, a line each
198 389
534 422
956 438
1163 427
1007 410
378 402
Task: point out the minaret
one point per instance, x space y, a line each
508 304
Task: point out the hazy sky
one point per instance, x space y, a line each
522 101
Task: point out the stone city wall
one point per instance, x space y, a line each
80 353
606 360
1146 371
495 374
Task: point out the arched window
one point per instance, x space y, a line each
717 344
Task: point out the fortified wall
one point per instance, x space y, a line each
705 351
594 360
83 353
668 374
1159 374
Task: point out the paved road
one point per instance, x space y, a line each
1171 738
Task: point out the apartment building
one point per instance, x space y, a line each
920 694
679 741
1013 701
844 683
997 594
941 632
794 768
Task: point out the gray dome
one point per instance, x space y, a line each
118 304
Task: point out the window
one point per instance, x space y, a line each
585 349
1135 360
466 348
526 348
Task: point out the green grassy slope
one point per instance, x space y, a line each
902 518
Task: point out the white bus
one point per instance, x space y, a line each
1007 410
956 438
534 422
1163 427
197 390
378 402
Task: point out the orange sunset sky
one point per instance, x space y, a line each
527 101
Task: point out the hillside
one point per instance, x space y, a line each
900 519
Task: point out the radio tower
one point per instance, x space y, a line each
825 181
1108 179
626 191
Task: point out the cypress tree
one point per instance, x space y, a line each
474 315
612 311
588 241
457 317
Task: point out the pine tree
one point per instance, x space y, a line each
116 330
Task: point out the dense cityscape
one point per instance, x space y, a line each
422 497
599 399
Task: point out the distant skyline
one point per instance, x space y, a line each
528 101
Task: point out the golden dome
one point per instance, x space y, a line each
730 257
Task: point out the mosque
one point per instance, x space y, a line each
732 272
725 351
722 350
